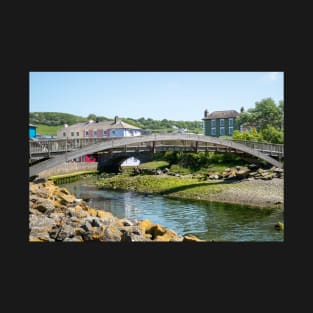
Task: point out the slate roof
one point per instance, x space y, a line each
222 114
121 124
102 124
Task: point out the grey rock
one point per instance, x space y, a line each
44 206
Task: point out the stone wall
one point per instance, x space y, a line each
69 168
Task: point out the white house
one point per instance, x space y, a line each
102 129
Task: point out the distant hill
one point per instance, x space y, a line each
54 118
59 119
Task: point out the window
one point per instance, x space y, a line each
95 133
64 134
213 127
72 134
86 133
231 129
77 134
222 122
222 131
104 133
231 122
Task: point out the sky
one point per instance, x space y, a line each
180 96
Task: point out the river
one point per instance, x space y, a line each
207 220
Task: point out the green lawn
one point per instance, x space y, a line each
48 130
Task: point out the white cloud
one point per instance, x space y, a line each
272 75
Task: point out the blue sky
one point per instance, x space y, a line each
157 95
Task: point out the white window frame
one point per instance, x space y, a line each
213 131
222 133
231 122
86 133
222 122
230 130
72 134
64 134
104 133
212 126
95 132
77 134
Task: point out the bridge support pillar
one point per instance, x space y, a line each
196 148
153 150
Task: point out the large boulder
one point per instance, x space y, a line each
56 215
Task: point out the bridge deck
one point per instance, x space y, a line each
62 150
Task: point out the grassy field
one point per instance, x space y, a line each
48 130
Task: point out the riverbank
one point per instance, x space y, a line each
250 191
259 193
57 215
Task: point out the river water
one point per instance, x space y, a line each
207 220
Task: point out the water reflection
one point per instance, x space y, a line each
207 220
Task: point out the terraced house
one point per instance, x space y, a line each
101 129
94 129
220 123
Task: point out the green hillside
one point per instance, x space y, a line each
48 130
49 122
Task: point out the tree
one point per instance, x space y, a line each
92 117
273 135
281 108
266 113
252 135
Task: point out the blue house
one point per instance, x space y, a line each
32 131
220 123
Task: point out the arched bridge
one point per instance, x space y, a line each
160 142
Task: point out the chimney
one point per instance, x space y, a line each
115 119
206 113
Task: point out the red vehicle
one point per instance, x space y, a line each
91 158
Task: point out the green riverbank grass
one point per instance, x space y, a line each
154 165
70 177
181 187
191 188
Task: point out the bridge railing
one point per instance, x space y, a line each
263 146
65 145
62 145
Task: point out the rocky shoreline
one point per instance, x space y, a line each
57 215
249 186
252 192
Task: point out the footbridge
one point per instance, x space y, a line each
51 153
